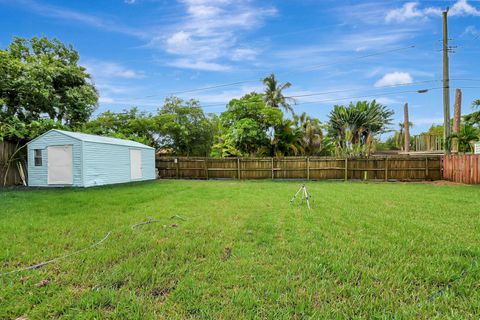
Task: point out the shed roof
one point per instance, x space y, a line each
98 139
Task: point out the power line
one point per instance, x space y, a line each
350 90
354 97
314 67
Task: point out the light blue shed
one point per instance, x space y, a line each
62 158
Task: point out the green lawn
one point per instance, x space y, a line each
366 250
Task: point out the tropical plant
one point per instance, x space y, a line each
273 94
466 137
355 126
288 139
474 117
311 129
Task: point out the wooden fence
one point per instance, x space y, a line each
307 168
426 142
462 168
7 149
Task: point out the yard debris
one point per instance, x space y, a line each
39 265
149 221
42 283
178 217
227 253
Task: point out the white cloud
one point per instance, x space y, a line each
105 100
408 11
208 36
198 65
463 8
471 30
86 19
105 69
411 10
244 54
394 78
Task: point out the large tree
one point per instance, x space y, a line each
184 128
273 94
41 78
248 124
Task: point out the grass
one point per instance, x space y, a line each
366 250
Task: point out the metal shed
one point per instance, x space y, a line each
61 158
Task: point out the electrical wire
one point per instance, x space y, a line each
315 67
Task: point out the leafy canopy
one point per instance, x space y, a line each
41 78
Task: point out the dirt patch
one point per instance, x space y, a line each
444 183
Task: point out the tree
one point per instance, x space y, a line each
184 128
247 123
41 78
129 124
354 127
474 117
273 95
288 139
312 134
467 135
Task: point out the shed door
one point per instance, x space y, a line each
60 165
135 164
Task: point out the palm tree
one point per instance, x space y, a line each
466 137
351 126
311 129
273 95
287 140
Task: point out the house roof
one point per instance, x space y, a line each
98 139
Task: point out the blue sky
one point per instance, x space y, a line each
140 51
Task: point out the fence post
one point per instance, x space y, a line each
205 162
238 169
273 173
346 168
177 167
386 168
308 168
426 168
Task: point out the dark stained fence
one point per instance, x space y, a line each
7 149
462 168
412 168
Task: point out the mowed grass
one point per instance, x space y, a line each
365 251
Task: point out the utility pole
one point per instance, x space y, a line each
446 84
406 129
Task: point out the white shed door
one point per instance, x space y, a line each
60 165
135 164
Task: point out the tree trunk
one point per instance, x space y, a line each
456 119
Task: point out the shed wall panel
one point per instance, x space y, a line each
38 175
110 164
